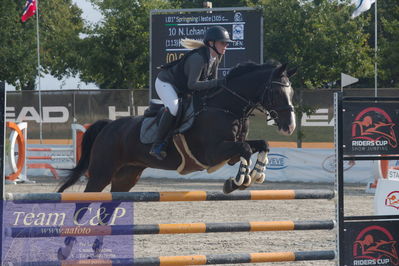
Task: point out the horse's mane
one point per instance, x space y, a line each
243 68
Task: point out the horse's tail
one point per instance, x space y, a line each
83 163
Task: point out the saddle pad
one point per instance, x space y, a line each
149 127
189 163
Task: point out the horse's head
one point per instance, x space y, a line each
277 99
270 88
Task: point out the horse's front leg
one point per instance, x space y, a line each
257 173
225 151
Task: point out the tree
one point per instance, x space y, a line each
319 37
60 25
388 38
115 55
215 3
17 46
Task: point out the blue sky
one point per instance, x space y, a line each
48 82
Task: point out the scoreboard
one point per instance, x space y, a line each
245 27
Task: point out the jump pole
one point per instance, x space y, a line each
196 259
73 197
147 229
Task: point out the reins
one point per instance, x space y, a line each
250 106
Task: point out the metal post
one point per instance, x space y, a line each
38 72
375 51
150 75
338 135
2 145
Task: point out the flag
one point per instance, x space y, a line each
361 6
29 10
347 80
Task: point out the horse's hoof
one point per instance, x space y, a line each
247 183
68 240
229 186
61 256
261 178
243 187
97 247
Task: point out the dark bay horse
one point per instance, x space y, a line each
113 154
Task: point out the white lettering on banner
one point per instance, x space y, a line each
372 262
393 174
47 111
369 143
319 119
113 114
51 114
365 262
10 113
386 261
28 114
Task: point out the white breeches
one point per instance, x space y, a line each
168 95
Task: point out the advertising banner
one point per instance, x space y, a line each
62 108
39 233
369 244
287 164
371 128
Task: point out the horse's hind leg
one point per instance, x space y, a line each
126 178
122 181
99 178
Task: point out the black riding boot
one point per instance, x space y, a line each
158 149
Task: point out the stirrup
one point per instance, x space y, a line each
157 150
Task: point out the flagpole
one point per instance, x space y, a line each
375 50
38 71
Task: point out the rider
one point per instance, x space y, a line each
196 71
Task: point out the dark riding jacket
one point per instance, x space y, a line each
191 72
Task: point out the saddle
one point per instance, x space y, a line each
184 121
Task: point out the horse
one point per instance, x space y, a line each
113 154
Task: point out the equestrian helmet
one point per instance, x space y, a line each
217 33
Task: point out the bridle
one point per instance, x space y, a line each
271 107
270 110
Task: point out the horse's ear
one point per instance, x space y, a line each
291 72
280 70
